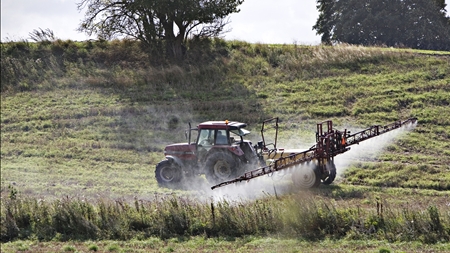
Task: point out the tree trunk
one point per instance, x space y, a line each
174 44
175 49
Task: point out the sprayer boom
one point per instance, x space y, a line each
329 143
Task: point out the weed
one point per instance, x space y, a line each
113 248
93 247
69 248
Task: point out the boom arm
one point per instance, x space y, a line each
330 142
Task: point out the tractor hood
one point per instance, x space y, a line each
179 149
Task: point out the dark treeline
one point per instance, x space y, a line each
418 24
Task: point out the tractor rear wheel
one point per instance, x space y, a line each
306 177
332 173
168 173
220 167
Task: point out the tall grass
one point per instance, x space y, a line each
296 216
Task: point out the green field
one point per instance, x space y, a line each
83 125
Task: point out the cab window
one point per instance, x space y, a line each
206 137
221 137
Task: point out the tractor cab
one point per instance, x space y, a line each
220 133
219 152
214 136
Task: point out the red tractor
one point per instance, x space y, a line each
219 152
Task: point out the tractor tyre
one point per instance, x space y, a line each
220 167
306 177
332 173
168 173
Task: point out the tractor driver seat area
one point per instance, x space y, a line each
221 138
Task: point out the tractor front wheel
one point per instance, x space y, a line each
168 173
220 167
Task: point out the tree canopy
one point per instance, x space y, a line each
420 24
157 22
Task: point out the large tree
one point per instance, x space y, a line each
418 24
157 22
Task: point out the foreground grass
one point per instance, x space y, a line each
202 244
353 213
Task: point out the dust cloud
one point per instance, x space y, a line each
368 150
269 185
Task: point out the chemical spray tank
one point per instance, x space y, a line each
315 165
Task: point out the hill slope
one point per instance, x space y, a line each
91 118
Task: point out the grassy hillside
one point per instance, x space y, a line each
99 107
89 120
